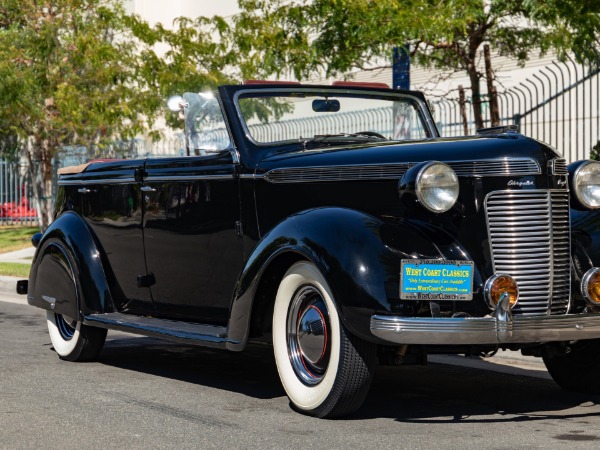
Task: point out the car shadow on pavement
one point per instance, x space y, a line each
251 372
437 394
434 394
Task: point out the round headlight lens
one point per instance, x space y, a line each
587 184
437 187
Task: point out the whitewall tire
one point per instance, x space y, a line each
325 371
73 341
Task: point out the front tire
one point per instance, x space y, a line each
325 371
72 340
578 368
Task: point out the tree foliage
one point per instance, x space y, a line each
332 37
83 73
196 53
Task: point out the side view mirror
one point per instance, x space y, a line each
176 103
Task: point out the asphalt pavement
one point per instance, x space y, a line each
147 393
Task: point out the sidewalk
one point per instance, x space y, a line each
19 256
23 256
509 362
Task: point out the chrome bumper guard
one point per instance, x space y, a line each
501 328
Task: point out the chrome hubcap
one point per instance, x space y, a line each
66 326
308 335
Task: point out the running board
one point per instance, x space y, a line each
184 332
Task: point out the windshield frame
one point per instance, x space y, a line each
333 91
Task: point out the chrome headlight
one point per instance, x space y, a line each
586 184
437 187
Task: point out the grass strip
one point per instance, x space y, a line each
14 269
16 237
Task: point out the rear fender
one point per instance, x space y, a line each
358 254
66 275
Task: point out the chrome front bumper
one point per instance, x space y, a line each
500 329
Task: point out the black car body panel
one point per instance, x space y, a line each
206 248
69 246
337 206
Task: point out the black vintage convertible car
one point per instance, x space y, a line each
335 223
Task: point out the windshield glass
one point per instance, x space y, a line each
205 130
305 115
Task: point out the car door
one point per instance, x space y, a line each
113 209
193 243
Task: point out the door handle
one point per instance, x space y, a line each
84 190
147 189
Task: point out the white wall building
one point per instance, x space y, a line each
165 11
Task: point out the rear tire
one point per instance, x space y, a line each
325 371
579 369
73 341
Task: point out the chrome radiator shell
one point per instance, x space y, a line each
529 238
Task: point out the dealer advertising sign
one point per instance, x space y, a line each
435 279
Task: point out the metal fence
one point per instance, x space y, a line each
558 105
16 205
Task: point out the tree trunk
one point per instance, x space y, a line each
475 94
46 182
463 108
39 158
492 93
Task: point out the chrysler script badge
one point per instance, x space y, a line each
520 183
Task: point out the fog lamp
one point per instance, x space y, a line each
497 285
590 286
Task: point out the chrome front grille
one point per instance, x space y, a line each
529 239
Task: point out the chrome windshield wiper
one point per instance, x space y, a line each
362 136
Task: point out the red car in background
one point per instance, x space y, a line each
15 211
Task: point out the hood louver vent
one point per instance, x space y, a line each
482 168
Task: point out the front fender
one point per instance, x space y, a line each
67 274
358 254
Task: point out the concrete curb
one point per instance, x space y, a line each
9 283
515 364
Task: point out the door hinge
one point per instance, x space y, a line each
139 174
239 229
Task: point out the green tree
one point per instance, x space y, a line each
332 37
83 73
197 51
69 75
